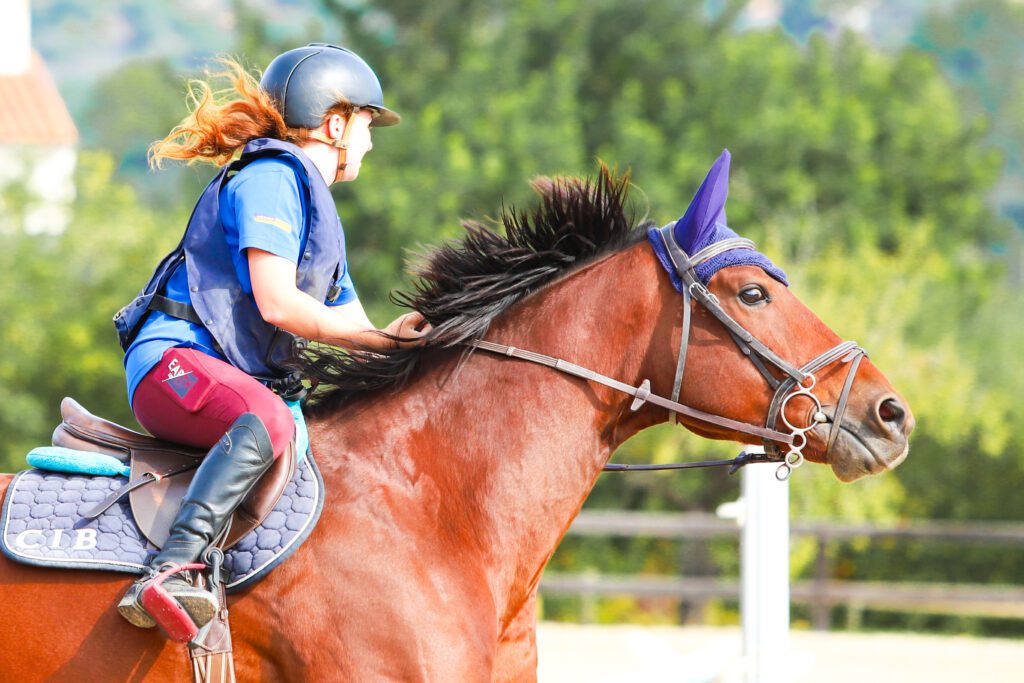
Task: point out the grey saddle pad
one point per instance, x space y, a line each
39 514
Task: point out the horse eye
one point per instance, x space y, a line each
753 295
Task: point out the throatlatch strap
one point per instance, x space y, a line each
684 341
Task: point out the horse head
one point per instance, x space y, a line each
758 355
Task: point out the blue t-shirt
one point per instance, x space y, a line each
263 207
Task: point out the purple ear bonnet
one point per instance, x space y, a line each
703 224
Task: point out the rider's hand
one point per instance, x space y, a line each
411 330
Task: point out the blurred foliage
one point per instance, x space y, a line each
121 121
864 174
58 294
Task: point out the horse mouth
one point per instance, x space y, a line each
855 455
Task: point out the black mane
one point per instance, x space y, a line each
462 286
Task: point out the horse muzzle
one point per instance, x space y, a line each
873 442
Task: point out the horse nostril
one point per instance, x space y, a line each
892 412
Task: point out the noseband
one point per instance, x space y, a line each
798 382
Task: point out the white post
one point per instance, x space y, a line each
764 569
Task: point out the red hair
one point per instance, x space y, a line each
221 122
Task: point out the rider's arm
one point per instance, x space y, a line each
264 201
282 304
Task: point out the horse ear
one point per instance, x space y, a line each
707 208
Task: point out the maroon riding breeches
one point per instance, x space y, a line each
192 398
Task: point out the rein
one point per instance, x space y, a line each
799 382
641 394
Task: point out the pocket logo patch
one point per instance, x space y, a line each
180 380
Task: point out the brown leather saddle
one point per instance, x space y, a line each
161 472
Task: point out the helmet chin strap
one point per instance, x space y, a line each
339 143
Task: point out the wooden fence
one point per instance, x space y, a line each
822 592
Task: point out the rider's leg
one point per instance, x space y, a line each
192 398
215 398
221 483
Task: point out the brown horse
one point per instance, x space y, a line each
446 499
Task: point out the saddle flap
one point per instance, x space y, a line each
155 505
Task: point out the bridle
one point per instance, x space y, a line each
798 382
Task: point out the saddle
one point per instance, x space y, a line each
161 472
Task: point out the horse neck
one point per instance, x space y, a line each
605 317
530 441
497 455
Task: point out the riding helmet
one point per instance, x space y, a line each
307 81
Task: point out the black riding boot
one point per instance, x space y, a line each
222 481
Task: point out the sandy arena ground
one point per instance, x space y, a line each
600 654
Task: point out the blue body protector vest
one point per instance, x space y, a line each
218 300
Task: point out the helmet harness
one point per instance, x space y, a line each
340 143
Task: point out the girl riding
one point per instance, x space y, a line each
261 267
